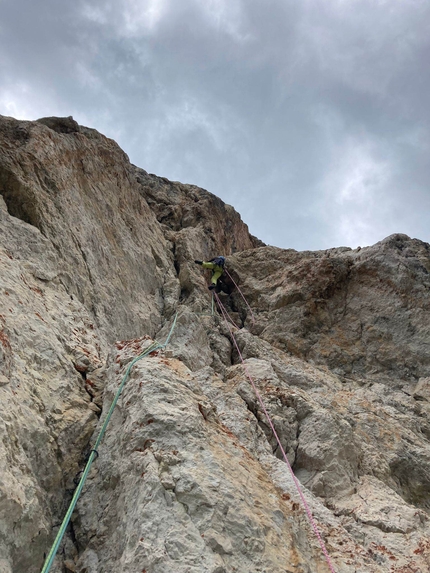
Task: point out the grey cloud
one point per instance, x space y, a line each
264 103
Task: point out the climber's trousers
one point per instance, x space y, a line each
216 271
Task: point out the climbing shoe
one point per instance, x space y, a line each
198 262
211 287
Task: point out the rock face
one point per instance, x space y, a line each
96 256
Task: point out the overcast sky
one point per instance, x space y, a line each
310 117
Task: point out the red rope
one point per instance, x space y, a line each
296 481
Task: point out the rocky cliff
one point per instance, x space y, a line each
96 256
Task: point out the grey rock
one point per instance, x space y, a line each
60 124
96 256
422 389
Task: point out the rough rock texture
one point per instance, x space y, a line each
189 478
358 312
46 415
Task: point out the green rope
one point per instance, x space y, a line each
51 555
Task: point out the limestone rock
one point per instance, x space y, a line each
182 207
96 256
80 192
60 124
189 508
361 313
45 414
422 389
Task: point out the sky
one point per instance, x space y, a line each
310 117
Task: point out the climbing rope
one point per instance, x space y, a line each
241 294
94 453
284 455
227 316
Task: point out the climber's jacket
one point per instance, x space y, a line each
217 267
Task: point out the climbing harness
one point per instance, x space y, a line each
284 455
94 453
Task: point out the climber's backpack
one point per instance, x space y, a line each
220 261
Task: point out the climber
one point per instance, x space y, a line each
217 266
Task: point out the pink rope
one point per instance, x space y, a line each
296 481
241 294
227 317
